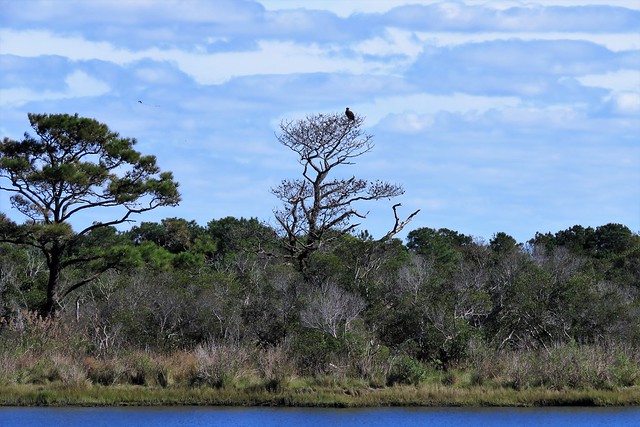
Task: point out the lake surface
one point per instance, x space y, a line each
315 417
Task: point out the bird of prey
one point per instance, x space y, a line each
350 114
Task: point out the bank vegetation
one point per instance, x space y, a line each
200 317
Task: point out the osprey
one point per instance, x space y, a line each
350 114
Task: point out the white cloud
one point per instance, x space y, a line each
274 57
270 57
627 102
156 75
394 41
622 80
613 42
133 11
422 104
629 4
339 7
554 117
624 86
477 162
345 8
408 123
79 84
33 43
413 113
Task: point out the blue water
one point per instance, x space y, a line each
304 417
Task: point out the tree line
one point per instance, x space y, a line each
434 298
312 286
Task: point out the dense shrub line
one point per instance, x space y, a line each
43 352
222 307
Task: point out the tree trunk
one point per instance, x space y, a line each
54 262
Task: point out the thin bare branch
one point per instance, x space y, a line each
399 225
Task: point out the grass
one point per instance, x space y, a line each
431 395
48 369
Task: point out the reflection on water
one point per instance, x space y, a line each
315 417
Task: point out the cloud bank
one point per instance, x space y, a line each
495 116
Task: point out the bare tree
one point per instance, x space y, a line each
330 308
317 208
415 274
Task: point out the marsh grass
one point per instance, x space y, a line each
43 365
275 367
563 367
436 395
220 366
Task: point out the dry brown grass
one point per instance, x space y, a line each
36 352
564 366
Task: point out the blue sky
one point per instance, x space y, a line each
495 116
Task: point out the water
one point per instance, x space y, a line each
305 417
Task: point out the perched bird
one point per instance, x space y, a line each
350 114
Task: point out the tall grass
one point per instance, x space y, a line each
564 366
39 358
431 395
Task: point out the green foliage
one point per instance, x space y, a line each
602 242
173 234
73 165
502 243
625 372
443 245
188 261
245 308
23 279
155 256
315 351
233 237
42 371
613 239
424 310
407 370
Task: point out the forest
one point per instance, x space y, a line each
239 304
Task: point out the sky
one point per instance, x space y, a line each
495 116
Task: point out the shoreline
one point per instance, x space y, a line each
52 395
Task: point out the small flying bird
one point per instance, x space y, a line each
140 102
350 114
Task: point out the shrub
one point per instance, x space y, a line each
564 366
274 367
69 371
315 352
218 366
406 370
41 372
624 372
104 372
